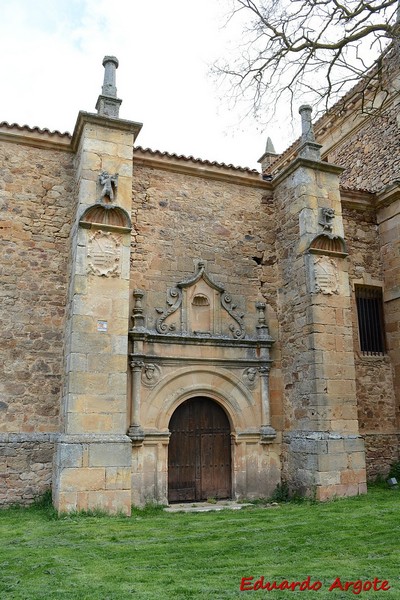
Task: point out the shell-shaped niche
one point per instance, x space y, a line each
107 217
328 244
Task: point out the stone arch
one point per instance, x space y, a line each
218 384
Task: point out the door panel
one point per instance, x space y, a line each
199 455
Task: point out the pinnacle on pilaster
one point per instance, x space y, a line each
269 155
308 146
269 147
107 103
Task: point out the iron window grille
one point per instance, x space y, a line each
370 320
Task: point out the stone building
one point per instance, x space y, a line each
175 329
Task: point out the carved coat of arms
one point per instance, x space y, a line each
104 254
326 276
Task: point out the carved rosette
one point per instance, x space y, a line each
151 375
250 377
104 254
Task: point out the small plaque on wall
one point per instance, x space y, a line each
102 326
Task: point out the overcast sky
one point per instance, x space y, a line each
51 67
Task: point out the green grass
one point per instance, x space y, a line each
154 554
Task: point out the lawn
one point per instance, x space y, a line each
154 554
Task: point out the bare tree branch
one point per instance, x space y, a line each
307 50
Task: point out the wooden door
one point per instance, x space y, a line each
199 453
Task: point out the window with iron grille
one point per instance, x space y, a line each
370 319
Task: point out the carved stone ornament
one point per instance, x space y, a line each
174 301
109 185
175 297
104 254
326 278
326 217
250 377
151 375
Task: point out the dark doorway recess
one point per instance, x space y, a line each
199 452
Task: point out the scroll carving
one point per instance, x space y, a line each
239 331
174 301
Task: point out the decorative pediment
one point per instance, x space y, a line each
199 306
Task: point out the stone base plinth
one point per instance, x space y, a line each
325 465
92 472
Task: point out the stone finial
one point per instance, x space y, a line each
107 103
307 131
308 146
110 64
137 312
269 155
269 147
261 327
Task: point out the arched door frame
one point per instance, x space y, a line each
200 461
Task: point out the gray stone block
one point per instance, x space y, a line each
110 455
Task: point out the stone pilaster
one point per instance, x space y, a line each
93 465
324 452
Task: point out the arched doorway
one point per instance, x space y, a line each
199 452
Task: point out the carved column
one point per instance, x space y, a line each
267 432
135 432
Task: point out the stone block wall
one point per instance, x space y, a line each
376 400
93 472
389 236
370 154
179 217
35 198
25 466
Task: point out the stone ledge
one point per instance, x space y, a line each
11 438
91 438
319 435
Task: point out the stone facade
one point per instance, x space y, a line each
137 283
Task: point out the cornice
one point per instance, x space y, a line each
358 199
305 163
152 337
108 122
36 138
219 173
389 194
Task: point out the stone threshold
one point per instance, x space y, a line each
206 506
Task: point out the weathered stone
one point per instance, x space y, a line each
299 404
